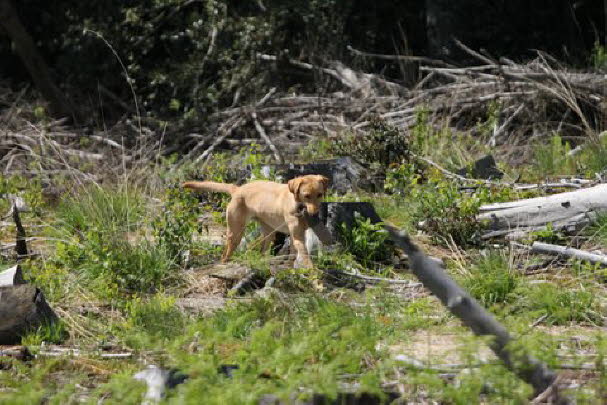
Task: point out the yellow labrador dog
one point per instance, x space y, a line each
275 206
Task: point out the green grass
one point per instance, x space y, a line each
551 158
492 280
123 252
106 210
560 305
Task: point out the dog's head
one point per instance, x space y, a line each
309 190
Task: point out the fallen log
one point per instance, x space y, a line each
473 315
345 174
22 309
567 212
564 251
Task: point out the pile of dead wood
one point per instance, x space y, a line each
533 100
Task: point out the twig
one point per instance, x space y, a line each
547 248
262 133
404 58
376 280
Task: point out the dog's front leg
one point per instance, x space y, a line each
298 238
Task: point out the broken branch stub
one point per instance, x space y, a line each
21 245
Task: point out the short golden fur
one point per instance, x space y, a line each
275 206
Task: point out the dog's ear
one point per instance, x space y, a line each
294 185
325 183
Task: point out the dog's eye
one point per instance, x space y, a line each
307 195
320 195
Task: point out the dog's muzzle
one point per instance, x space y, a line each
300 210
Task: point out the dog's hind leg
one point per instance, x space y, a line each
268 236
237 217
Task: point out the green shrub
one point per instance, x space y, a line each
446 212
174 226
380 147
400 178
368 242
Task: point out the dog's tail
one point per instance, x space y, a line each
211 186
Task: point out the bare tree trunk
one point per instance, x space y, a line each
33 61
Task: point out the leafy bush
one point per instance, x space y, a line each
380 147
447 213
174 227
401 177
368 242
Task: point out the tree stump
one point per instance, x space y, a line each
345 174
330 219
22 308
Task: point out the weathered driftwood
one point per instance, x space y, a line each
556 250
565 211
473 315
11 276
22 308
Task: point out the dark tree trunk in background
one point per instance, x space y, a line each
441 18
33 61
512 28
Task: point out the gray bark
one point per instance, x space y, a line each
22 309
473 315
547 248
565 211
